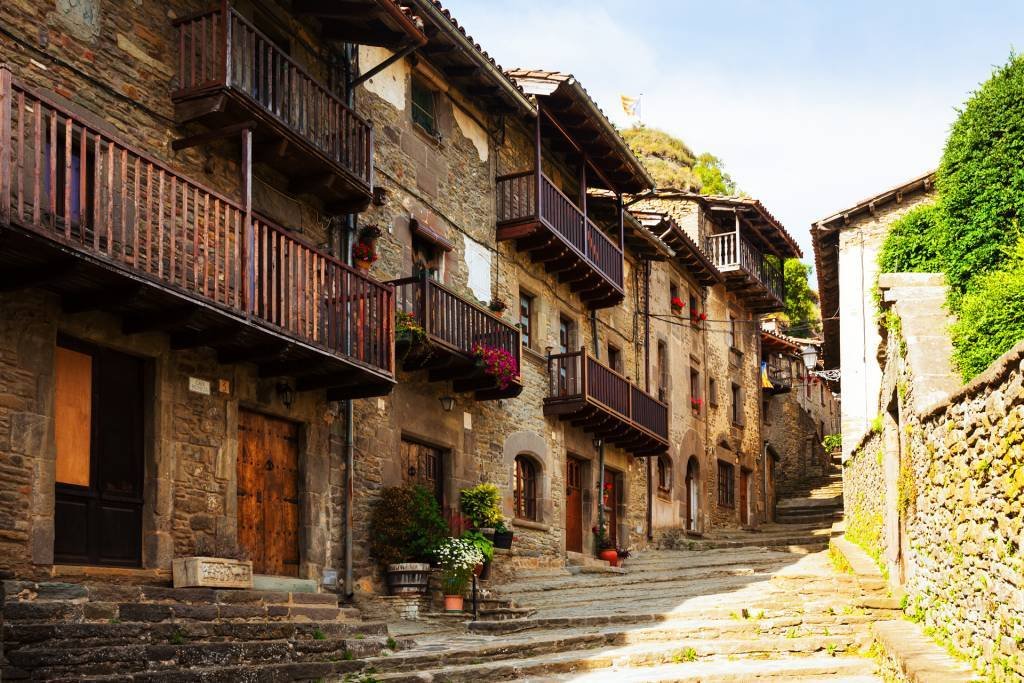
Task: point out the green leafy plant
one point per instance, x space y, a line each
319 635
482 543
392 643
686 654
482 505
406 525
832 442
407 328
912 245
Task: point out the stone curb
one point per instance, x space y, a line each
918 657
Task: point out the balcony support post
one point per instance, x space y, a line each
6 95
248 253
225 60
537 167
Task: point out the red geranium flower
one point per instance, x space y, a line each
678 303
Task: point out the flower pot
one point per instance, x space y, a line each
363 265
503 539
211 572
453 603
611 556
408 578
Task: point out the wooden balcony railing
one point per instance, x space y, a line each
455 324
90 193
517 202
214 53
578 383
730 250
780 379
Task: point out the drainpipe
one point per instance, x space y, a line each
600 447
349 484
647 388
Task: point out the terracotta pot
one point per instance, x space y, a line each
611 556
363 265
453 603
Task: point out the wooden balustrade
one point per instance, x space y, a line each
516 201
63 179
451 321
730 250
579 378
214 53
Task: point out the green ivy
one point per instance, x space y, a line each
972 232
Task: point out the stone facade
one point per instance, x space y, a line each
933 490
116 65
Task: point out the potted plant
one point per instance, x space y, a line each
696 404
497 362
497 305
502 535
364 251
605 548
697 317
457 557
623 554
677 305
406 525
216 564
486 548
481 504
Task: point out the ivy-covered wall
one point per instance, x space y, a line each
864 497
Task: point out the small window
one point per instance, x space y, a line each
615 358
696 399
664 475
566 334
765 410
821 387
737 404
423 104
526 488
726 484
426 258
730 333
693 304
526 318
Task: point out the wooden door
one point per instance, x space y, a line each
424 465
692 495
744 484
611 504
574 505
268 493
100 438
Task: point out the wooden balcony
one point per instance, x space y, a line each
552 229
747 271
229 73
606 404
452 327
109 228
779 379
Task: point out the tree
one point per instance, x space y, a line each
801 306
672 163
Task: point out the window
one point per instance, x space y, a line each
731 333
765 410
696 400
737 404
664 474
423 465
423 101
566 334
426 258
726 484
526 488
526 318
693 304
615 358
821 387
713 391
662 371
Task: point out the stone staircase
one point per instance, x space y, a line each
816 501
104 632
734 614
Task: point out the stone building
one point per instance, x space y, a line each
190 365
798 412
846 247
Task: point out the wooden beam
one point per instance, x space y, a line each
331 9
194 339
158 320
211 135
255 353
351 32
290 367
100 299
461 70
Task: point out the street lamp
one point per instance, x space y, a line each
809 353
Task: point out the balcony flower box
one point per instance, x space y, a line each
211 572
677 305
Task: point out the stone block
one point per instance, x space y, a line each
212 572
144 612
30 434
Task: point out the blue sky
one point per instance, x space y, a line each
812 105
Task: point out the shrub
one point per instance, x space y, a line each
991 320
482 505
912 245
406 525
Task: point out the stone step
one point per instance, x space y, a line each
177 655
574 660
49 612
22 635
812 669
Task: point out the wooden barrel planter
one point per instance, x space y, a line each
408 578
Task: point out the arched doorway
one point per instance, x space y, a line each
692 493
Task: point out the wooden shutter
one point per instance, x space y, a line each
73 413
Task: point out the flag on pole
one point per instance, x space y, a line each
629 105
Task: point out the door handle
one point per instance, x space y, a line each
268 465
